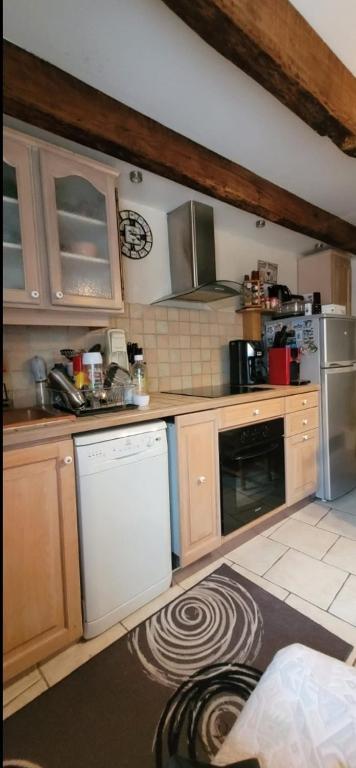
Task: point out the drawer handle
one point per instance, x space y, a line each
201 480
35 294
305 421
68 459
59 294
256 412
304 402
305 437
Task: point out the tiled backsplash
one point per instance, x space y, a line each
182 347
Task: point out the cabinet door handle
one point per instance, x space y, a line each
305 421
304 402
35 294
59 294
68 460
201 480
256 412
305 437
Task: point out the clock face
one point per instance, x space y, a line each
135 235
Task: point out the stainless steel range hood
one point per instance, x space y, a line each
192 256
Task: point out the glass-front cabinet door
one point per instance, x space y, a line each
81 232
21 270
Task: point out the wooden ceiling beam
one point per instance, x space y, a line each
39 93
274 44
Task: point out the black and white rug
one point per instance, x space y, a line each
176 683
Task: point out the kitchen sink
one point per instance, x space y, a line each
21 416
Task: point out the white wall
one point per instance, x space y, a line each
148 279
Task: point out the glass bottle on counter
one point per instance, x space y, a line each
139 377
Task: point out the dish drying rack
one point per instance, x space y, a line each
104 399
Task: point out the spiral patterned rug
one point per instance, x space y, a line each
176 683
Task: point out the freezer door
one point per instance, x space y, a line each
338 440
337 340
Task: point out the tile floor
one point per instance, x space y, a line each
307 559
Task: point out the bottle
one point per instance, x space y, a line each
139 373
93 367
247 291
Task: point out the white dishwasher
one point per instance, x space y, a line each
124 526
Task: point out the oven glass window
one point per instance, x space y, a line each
252 480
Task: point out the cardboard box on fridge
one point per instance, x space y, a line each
333 309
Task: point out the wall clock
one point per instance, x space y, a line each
135 235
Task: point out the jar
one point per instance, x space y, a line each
93 368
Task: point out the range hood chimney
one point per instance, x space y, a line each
192 256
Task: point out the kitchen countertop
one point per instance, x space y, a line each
161 406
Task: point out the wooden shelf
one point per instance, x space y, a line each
261 310
80 217
83 257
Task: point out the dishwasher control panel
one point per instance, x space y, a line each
96 457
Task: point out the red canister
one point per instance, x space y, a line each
80 378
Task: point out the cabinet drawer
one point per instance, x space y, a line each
300 402
300 421
248 412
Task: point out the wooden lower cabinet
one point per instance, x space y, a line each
198 477
301 462
42 602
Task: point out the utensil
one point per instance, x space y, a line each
61 383
116 374
68 353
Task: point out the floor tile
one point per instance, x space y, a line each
343 555
344 605
190 581
325 619
339 522
66 662
273 528
345 503
29 695
305 538
258 554
273 589
311 514
147 610
311 579
19 686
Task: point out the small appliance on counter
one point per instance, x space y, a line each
284 365
247 363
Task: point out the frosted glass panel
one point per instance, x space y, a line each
13 269
83 239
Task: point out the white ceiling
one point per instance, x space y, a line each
142 54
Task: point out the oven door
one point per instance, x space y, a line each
252 480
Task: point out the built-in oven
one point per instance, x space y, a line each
252 478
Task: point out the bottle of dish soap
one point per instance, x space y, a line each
139 374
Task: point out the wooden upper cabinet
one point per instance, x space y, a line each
328 272
42 602
81 231
21 270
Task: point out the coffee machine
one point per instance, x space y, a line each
247 363
284 365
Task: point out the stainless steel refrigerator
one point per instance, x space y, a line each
329 359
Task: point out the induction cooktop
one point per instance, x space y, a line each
221 390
